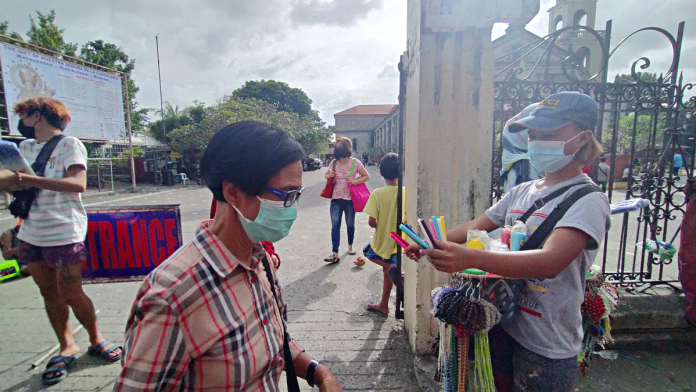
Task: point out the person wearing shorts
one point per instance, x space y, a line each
51 237
381 208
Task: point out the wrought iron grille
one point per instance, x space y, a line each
644 120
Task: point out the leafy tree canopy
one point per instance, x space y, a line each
199 123
279 94
647 77
47 34
4 28
644 126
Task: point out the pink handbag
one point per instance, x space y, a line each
358 193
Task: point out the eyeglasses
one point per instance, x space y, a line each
289 197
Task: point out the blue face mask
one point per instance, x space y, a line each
548 156
273 222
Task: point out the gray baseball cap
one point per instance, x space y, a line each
558 110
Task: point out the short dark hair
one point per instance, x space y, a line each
389 166
602 159
247 154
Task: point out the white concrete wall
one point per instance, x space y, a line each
448 126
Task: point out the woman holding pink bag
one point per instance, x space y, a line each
347 173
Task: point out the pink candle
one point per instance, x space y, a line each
505 236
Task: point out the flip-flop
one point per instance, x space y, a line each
99 351
332 259
52 368
371 308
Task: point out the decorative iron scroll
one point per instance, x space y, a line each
667 104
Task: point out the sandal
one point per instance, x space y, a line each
58 364
100 351
332 259
351 250
371 308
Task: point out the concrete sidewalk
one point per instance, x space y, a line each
365 352
326 313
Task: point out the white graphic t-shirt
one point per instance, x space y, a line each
55 218
548 320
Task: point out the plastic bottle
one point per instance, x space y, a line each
517 240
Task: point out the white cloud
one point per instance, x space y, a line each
340 52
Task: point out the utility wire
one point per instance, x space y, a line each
165 81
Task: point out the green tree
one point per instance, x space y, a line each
644 125
280 95
172 118
47 34
647 77
4 28
200 123
307 128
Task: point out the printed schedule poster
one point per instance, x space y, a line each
93 98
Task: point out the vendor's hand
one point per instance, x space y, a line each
413 252
450 257
276 261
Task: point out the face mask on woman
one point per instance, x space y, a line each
273 222
547 156
341 152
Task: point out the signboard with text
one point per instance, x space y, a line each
123 242
94 98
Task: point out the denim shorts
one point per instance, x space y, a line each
53 256
370 254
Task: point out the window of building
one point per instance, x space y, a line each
580 18
583 54
355 146
558 23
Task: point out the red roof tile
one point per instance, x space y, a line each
367 110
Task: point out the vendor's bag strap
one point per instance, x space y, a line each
537 239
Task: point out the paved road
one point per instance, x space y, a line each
326 304
326 311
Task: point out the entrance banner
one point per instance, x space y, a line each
124 242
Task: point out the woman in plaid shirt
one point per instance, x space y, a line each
206 319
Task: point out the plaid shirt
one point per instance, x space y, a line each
203 321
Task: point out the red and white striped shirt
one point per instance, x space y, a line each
203 321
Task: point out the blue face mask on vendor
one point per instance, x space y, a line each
547 156
273 222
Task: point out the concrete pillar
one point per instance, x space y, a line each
448 128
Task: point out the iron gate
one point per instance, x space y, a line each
645 119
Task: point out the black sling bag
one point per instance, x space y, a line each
24 198
291 376
536 240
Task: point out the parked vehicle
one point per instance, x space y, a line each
311 164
